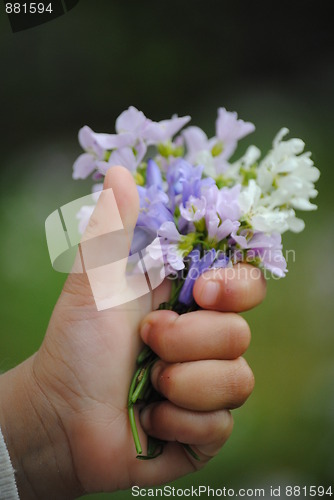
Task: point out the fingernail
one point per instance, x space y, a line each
145 331
210 293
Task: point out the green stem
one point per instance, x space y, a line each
132 386
143 355
134 430
190 451
142 384
131 412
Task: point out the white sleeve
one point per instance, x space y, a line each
8 489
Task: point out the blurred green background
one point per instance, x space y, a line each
273 64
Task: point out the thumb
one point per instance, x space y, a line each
105 245
120 180
116 209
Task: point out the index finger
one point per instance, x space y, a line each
234 289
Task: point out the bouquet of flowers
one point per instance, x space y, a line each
198 209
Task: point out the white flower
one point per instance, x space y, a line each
165 248
249 198
286 177
256 211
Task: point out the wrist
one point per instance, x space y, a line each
36 441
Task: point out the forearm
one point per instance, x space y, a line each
36 442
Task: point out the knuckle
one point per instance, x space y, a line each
247 380
166 382
220 426
244 332
161 333
157 340
241 383
238 335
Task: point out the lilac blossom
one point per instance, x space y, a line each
266 247
153 175
180 201
194 210
185 180
153 210
230 129
228 203
131 121
218 230
160 132
214 153
85 164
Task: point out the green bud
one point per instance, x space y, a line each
256 261
222 181
217 149
107 155
177 212
200 225
139 179
178 151
186 243
245 224
223 245
248 174
165 149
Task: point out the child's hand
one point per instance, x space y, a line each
63 412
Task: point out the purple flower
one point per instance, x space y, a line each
228 203
96 146
185 180
85 164
218 229
221 260
131 121
163 131
268 247
196 140
222 211
168 242
214 153
133 126
153 210
153 175
194 210
123 156
230 129
263 246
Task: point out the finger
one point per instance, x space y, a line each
231 289
187 337
204 385
115 214
106 241
207 431
120 180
